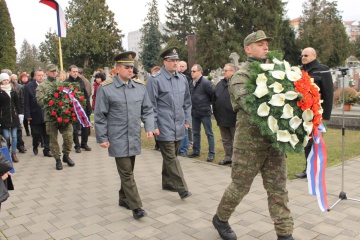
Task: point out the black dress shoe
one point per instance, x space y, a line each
47 154
183 154
185 194
223 229
77 150
35 150
124 204
22 149
289 237
301 175
193 155
139 213
169 188
224 162
58 164
67 159
86 147
210 158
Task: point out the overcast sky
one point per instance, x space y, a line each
32 19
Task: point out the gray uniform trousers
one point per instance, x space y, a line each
128 189
272 166
172 174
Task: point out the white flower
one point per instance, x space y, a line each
293 76
291 95
283 136
308 126
278 88
307 115
295 122
294 140
263 110
278 74
267 67
261 91
261 79
277 61
287 66
288 112
272 123
306 140
277 100
296 69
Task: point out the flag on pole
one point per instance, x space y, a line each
61 22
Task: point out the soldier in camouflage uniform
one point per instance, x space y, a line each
252 154
51 128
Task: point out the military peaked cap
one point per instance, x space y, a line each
126 58
256 37
170 53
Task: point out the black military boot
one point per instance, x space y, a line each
67 159
223 229
58 164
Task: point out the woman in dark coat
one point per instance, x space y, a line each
9 113
99 78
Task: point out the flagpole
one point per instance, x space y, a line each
60 54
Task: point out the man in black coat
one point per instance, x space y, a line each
84 131
324 82
224 113
34 114
202 92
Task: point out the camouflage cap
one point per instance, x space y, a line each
256 37
51 67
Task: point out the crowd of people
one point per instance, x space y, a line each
172 105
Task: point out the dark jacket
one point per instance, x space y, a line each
201 97
222 108
187 75
32 109
324 82
87 109
9 109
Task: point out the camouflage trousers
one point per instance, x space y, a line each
67 135
272 166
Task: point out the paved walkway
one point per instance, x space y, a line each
81 202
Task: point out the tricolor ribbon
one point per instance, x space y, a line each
79 111
316 167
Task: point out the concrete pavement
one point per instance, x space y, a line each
82 202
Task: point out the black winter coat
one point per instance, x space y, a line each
32 109
201 97
222 108
9 109
324 82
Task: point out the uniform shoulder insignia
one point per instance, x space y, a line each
155 74
138 81
107 82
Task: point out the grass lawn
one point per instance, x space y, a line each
295 162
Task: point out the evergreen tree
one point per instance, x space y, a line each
289 44
49 49
92 36
151 37
7 39
29 58
180 22
321 28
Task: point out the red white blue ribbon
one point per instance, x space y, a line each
316 168
79 111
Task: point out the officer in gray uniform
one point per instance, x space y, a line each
169 93
120 104
253 153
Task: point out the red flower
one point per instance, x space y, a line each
72 109
73 93
73 114
70 103
59 119
74 119
67 111
81 98
56 95
66 120
60 104
51 102
66 96
60 88
70 86
53 113
76 89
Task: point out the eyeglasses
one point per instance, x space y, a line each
305 55
193 71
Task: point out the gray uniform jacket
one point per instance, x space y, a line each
171 99
118 110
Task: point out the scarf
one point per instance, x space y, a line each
7 89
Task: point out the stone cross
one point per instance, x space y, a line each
234 58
